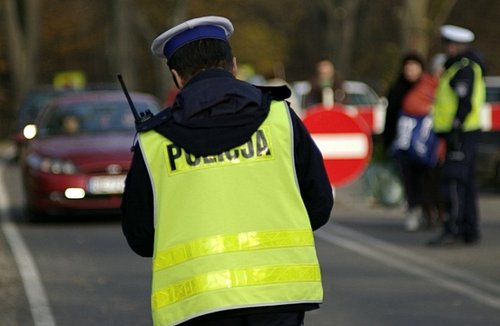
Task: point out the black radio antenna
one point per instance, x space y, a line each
137 117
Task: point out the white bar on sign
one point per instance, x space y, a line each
486 117
342 146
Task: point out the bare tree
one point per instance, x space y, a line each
329 9
339 30
176 15
414 25
419 20
438 12
121 44
348 33
21 19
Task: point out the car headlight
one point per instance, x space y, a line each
51 165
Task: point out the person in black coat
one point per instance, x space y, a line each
397 92
403 120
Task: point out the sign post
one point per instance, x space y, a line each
343 139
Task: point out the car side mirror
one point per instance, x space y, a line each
30 131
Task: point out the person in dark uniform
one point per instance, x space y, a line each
224 191
456 113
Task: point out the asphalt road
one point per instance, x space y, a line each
80 271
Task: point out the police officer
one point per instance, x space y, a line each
224 191
456 111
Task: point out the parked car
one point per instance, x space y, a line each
357 93
80 153
492 89
488 147
368 104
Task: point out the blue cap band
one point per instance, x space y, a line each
194 34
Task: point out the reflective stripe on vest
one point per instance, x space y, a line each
231 229
218 280
446 100
231 243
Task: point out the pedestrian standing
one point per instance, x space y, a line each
409 139
224 191
325 84
456 112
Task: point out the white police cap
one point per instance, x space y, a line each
456 34
192 30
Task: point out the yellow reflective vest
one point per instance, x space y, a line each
446 100
231 230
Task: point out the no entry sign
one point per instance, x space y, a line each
343 139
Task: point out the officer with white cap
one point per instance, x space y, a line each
212 27
224 191
452 33
456 113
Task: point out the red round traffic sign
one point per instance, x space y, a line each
343 138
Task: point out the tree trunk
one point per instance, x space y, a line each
22 24
414 34
121 45
348 33
420 20
163 80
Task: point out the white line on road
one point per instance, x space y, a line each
33 286
411 263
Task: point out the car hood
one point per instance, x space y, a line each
82 148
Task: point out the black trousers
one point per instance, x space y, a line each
421 183
459 191
266 319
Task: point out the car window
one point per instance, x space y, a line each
492 94
357 94
34 102
359 99
31 106
89 118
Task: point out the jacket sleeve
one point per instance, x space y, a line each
315 187
137 207
463 84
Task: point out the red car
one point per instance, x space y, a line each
80 154
31 105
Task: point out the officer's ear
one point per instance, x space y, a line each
179 82
234 70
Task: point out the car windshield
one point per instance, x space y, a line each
492 94
32 105
359 99
357 94
89 118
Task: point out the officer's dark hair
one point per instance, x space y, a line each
195 56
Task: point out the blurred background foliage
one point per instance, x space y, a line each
281 38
